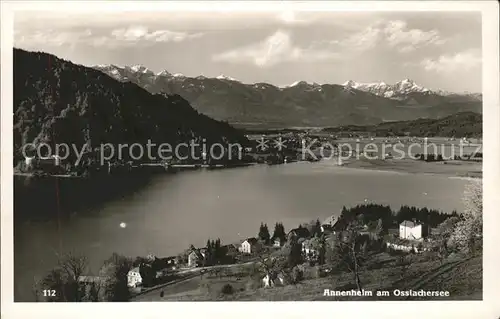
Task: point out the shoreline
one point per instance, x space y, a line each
458 170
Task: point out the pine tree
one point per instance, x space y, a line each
279 232
295 255
316 230
264 233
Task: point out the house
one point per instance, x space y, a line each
134 278
300 232
196 257
250 245
412 230
327 228
308 247
92 287
278 242
230 249
171 261
28 162
89 280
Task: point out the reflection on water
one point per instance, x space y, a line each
173 211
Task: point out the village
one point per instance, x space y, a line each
152 273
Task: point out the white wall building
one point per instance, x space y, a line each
249 246
134 278
412 230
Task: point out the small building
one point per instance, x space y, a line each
230 249
28 162
134 278
196 258
300 232
278 242
308 247
339 226
327 228
171 261
89 280
412 230
250 245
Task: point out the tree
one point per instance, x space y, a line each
272 267
56 281
279 232
347 251
322 249
64 278
264 233
295 254
443 233
379 230
115 271
468 232
148 274
316 229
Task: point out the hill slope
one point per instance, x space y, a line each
463 124
56 101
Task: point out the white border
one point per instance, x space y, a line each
488 308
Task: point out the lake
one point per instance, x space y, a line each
173 211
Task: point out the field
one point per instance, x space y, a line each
462 277
470 169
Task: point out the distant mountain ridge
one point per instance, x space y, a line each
464 124
301 103
402 89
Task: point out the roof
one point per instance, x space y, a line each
229 247
170 258
340 225
300 232
251 240
408 223
197 252
136 269
90 279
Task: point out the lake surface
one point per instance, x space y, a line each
176 210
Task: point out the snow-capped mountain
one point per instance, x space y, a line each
302 85
400 89
138 68
224 77
124 73
301 103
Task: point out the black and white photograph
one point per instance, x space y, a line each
246 155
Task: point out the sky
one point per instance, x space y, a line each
438 50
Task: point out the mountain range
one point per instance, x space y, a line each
56 101
301 103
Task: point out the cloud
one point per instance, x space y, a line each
121 37
393 33
274 49
138 33
407 40
465 60
360 41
